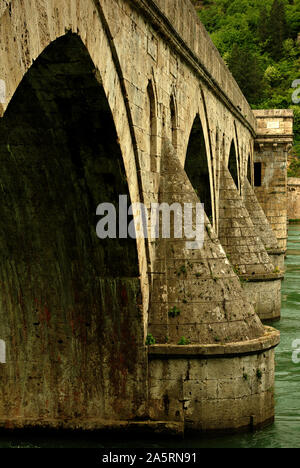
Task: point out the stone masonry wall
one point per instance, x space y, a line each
273 142
212 393
294 198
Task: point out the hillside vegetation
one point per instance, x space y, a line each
260 42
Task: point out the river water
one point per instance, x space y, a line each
284 433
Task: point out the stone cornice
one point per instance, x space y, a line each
264 137
259 278
268 341
274 113
276 251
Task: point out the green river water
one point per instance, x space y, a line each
285 433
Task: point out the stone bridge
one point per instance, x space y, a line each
102 98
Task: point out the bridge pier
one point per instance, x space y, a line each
214 387
263 227
245 250
212 366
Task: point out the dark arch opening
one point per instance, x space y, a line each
70 302
152 127
249 169
196 166
173 121
233 164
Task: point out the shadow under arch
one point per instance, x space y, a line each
249 169
152 117
196 166
70 302
173 115
233 164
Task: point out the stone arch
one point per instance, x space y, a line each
72 296
197 167
44 23
151 118
174 120
233 164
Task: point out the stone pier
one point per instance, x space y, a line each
260 279
294 199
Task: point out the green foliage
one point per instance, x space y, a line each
182 270
184 341
277 30
174 312
245 67
258 41
150 340
294 167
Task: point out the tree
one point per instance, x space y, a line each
259 40
245 68
263 23
277 30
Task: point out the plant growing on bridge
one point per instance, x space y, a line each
182 270
237 270
259 374
184 341
243 280
174 312
150 340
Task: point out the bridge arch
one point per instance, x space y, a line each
233 164
151 119
64 101
44 25
197 166
249 169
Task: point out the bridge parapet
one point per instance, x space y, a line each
184 26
